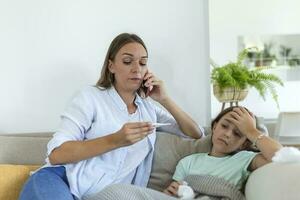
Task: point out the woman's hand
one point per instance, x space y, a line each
132 132
156 89
243 120
172 189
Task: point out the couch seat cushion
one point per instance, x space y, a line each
169 149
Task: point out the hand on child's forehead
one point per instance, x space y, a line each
227 117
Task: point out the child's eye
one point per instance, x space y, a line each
224 126
237 134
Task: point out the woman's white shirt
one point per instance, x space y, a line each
95 113
136 153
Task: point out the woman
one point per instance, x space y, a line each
106 134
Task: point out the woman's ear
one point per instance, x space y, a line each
110 66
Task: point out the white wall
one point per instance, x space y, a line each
51 49
232 18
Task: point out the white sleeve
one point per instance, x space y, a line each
75 121
165 117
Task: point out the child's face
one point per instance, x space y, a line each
226 137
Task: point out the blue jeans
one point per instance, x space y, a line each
47 183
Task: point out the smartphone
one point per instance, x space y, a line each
143 87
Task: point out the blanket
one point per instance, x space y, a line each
211 187
206 187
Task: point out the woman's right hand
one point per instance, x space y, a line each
133 132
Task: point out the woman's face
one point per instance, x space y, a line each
129 67
226 137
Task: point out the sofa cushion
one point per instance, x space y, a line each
169 149
12 179
28 150
280 181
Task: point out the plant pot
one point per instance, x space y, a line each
264 62
230 94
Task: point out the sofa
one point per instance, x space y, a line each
22 153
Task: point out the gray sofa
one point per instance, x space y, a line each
271 182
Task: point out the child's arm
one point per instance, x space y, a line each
267 146
258 161
246 124
178 176
172 189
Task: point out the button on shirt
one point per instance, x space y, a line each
94 113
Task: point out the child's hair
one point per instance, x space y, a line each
227 110
224 112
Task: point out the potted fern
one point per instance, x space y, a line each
232 81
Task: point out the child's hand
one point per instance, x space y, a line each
172 189
243 120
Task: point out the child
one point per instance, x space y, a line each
233 131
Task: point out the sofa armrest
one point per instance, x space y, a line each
274 181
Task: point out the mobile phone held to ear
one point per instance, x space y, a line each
143 87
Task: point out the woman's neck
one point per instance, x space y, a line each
128 98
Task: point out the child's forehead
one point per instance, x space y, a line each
225 119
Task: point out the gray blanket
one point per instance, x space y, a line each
212 187
206 187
